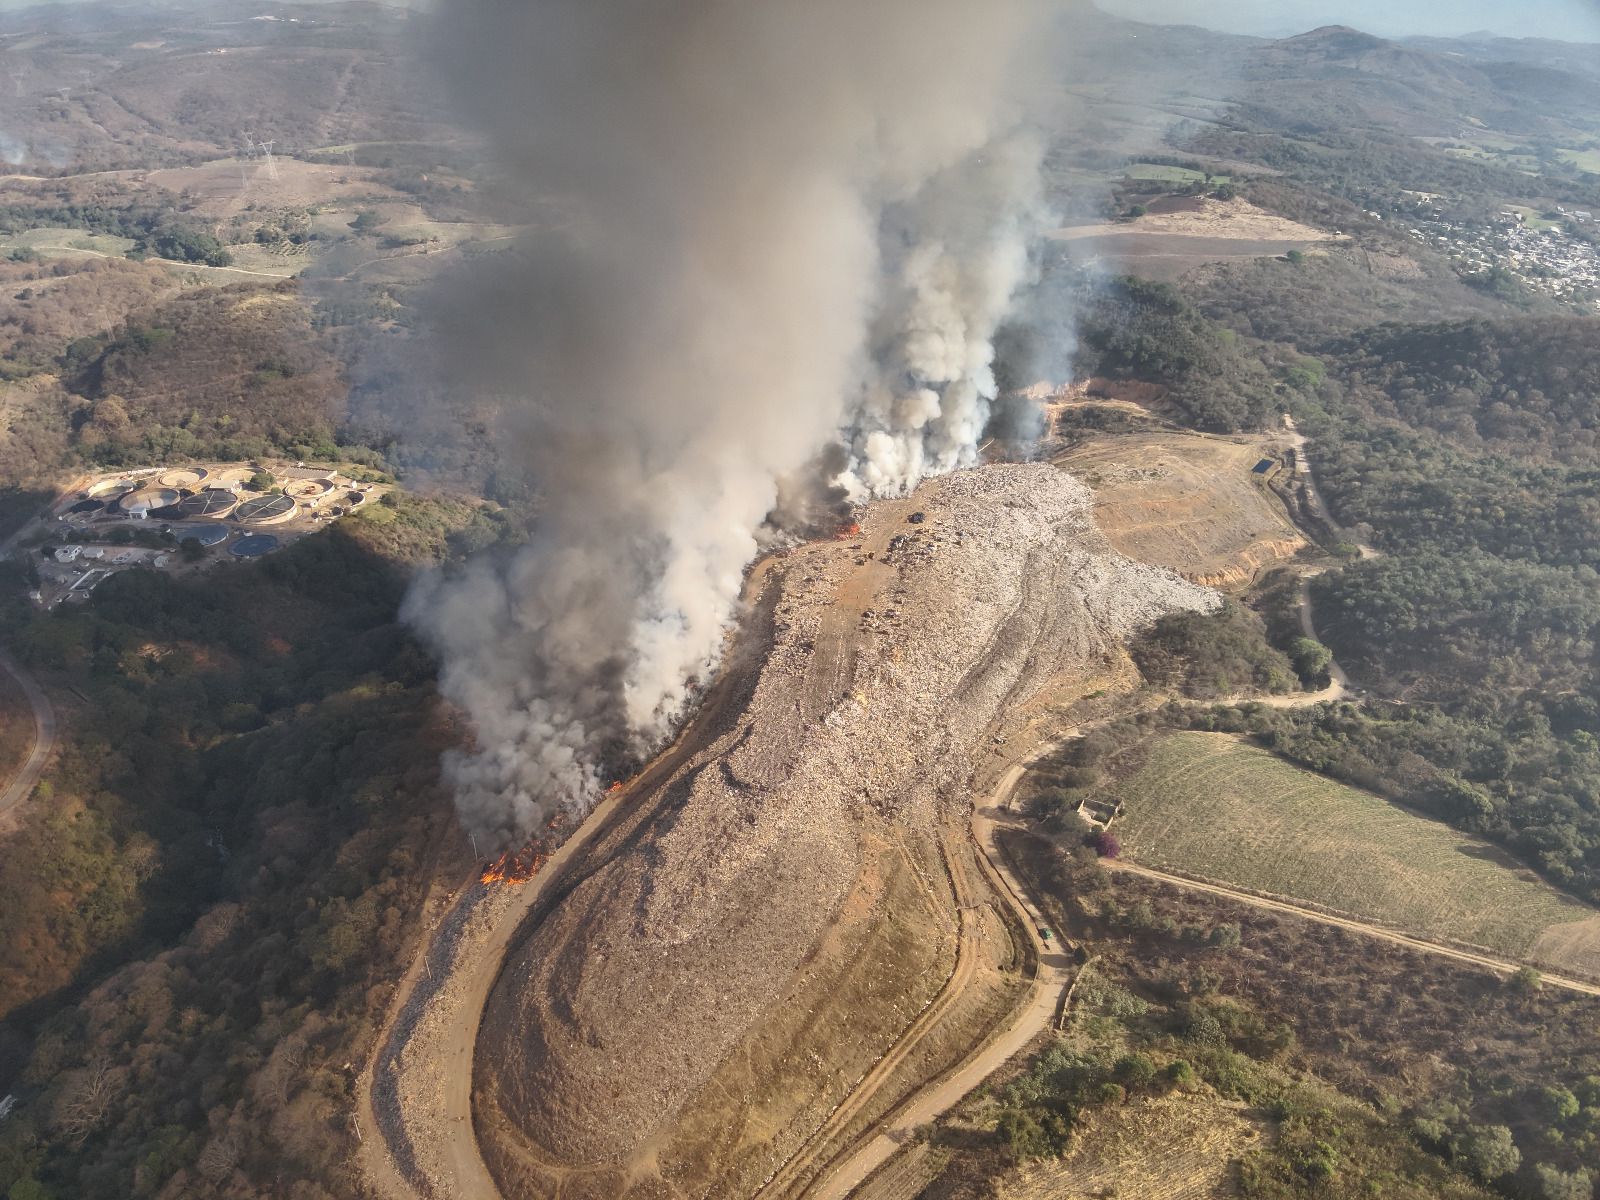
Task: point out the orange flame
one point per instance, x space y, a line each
516 867
615 787
848 531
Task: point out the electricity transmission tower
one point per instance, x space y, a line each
265 149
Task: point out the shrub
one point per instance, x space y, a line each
1225 937
1106 844
1180 1074
1559 1103
1136 1070
1556 1184
1488 1151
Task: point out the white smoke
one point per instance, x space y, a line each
963 255
792 225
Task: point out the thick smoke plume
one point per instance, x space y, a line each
781 235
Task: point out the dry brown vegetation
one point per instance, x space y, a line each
236 362
1175 1147
16 726
1325 1034
136 89
45 306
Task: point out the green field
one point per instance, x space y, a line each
66 242
1532 219
1210 805
1584 160
1164 174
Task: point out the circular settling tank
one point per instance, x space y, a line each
146 500
254 545
266 510
184 478
213 503
233 478
206 535
309 491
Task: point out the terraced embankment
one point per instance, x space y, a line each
765 925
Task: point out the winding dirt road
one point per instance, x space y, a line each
1032 1018
45 726
467 1178
44 737
786 1177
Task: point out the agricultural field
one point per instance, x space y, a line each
1160 173
1584 160
1214 806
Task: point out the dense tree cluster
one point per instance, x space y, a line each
154 228
1148 331
1466 452
1528 388
1208 656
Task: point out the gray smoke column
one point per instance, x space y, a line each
779 238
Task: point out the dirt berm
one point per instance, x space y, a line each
693 943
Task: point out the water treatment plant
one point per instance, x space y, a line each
185 518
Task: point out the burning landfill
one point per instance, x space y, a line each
520 866
789 234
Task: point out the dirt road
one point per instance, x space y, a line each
1497 965
1037 1014
44 737
466 1177
45 726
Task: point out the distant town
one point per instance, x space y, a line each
1538 250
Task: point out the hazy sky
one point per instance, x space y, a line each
1570 20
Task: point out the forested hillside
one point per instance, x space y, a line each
1528 388
231 862
1149 331
1467 453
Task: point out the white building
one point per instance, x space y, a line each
68 553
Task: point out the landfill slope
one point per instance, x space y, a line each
894 656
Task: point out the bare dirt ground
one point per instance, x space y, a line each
679 949
1188 502
823 1058
770 913
1166 245
1040 1011
228 186
416 1096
